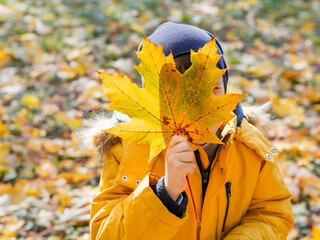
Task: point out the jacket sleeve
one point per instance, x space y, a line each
176 208
270 212
120 212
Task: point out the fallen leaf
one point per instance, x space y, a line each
32 102
4 151
46 169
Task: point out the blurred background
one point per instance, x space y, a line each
50 51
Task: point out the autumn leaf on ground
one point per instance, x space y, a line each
171 103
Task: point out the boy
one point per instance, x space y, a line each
237 187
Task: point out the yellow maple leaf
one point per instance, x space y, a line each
171 103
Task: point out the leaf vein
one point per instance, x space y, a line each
138 103
197 89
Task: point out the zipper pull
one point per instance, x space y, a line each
205 175
228 189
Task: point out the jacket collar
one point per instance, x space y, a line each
251 137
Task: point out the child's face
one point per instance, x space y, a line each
218 91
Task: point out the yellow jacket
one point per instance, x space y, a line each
259 206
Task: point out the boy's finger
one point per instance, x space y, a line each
183 169
185 157
181 147
190 169
186 168
175 140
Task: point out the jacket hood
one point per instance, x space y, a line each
94 138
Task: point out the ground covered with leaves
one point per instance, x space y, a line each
50 52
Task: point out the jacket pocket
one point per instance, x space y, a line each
228 194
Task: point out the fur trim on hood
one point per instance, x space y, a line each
258 116
92 137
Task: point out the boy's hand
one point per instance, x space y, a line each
179 163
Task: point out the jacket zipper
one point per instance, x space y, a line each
205 180
228 192
205 176
204 173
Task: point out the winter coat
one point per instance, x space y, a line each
246 197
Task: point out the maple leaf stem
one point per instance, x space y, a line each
193 203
